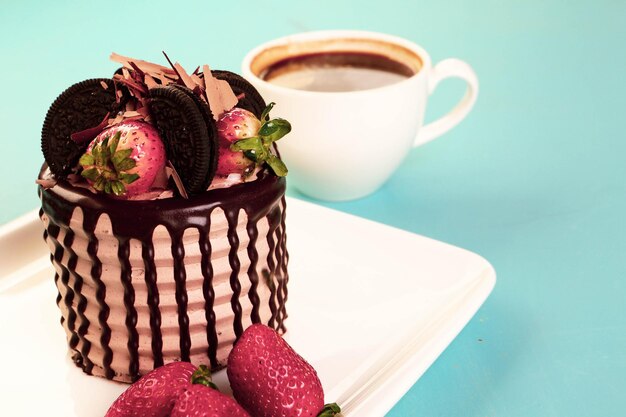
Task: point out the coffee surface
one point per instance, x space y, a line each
336 72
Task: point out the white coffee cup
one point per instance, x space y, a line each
345 145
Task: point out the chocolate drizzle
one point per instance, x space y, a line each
282 265
209 295
137 220
82 301
123 254
271 264
68 298
253 254
235 265
89 226
147 253
180 276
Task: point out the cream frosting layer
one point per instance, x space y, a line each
78 291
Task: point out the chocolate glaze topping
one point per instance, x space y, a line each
260 199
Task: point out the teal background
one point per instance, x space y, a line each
533 179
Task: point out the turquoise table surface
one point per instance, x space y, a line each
534 179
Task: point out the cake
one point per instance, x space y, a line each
177 266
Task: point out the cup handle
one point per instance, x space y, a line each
448 68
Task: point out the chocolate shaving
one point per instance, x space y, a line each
139 72
135 87
218 93
161 180
143 111
46 182
172 65
171 172
132 113
197 80
184 77
88 135
140 76
145 66
150 82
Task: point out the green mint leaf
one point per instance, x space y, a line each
277 165
274 129
114 142
125 165
107 187
128 178
90 174
87 160
266 112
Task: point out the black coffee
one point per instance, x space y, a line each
336 71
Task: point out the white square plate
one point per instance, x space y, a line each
370 307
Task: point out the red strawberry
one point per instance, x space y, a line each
235 125
247 142
155 393
124 159
202 401
269 379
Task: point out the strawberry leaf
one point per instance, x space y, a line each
118 188
202 376
96 152
251 155
87 160
128 178
90 174
99 183
248 144
105 152
265 116
274 129
277 165
330 410
125 165
120 155
114 142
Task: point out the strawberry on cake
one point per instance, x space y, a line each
164 210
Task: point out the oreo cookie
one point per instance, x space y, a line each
211 127
82 106
190 138
252 100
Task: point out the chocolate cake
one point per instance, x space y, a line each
176 268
